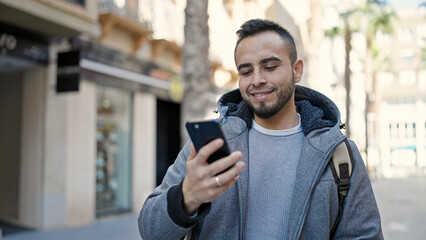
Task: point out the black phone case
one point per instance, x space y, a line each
204 132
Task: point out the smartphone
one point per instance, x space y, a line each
204 132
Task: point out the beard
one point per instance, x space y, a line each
266 111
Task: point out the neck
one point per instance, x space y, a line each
285 119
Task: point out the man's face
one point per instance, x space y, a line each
267 77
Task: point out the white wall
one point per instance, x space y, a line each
420 120
80 164
55 151
144 148
68 194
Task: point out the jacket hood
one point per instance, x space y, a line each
316 110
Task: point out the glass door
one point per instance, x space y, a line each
113 160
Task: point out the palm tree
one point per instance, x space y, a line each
368 18
195 61
348 47
378 16
345 32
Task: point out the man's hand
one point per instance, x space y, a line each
200 185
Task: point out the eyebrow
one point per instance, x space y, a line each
270 59
263 61
243 65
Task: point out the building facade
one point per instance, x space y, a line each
79 98
401 113
90 100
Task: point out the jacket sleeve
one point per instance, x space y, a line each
361 217
162 215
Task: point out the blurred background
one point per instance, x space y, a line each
94 95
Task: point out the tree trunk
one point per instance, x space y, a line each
348 47
369 90
196 64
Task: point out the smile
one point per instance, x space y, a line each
261 95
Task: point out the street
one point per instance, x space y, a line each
402 204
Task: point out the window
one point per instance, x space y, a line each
407 55
422 79
414 129
407 78
421 34
394 130
410 130
384 38
113 160
385 79
402 130
405 35
423 58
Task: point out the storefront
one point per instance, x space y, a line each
79 138
113 150
23 61
78 120
120 81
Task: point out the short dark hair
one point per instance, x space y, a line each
256 26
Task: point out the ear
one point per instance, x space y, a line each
298 70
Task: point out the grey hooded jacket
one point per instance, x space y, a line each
314 206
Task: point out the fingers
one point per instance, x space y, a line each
216 190
207 150
199 159
224 163
228 178
228 184
200 185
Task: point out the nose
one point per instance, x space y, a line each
258 79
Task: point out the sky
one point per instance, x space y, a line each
404 4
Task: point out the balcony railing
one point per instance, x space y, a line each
126 8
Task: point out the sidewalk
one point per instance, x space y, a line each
401 201
122 227
402 205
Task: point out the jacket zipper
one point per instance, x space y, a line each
327 165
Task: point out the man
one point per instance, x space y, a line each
280 185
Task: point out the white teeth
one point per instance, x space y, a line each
260 94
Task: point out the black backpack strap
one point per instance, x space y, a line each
341 166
